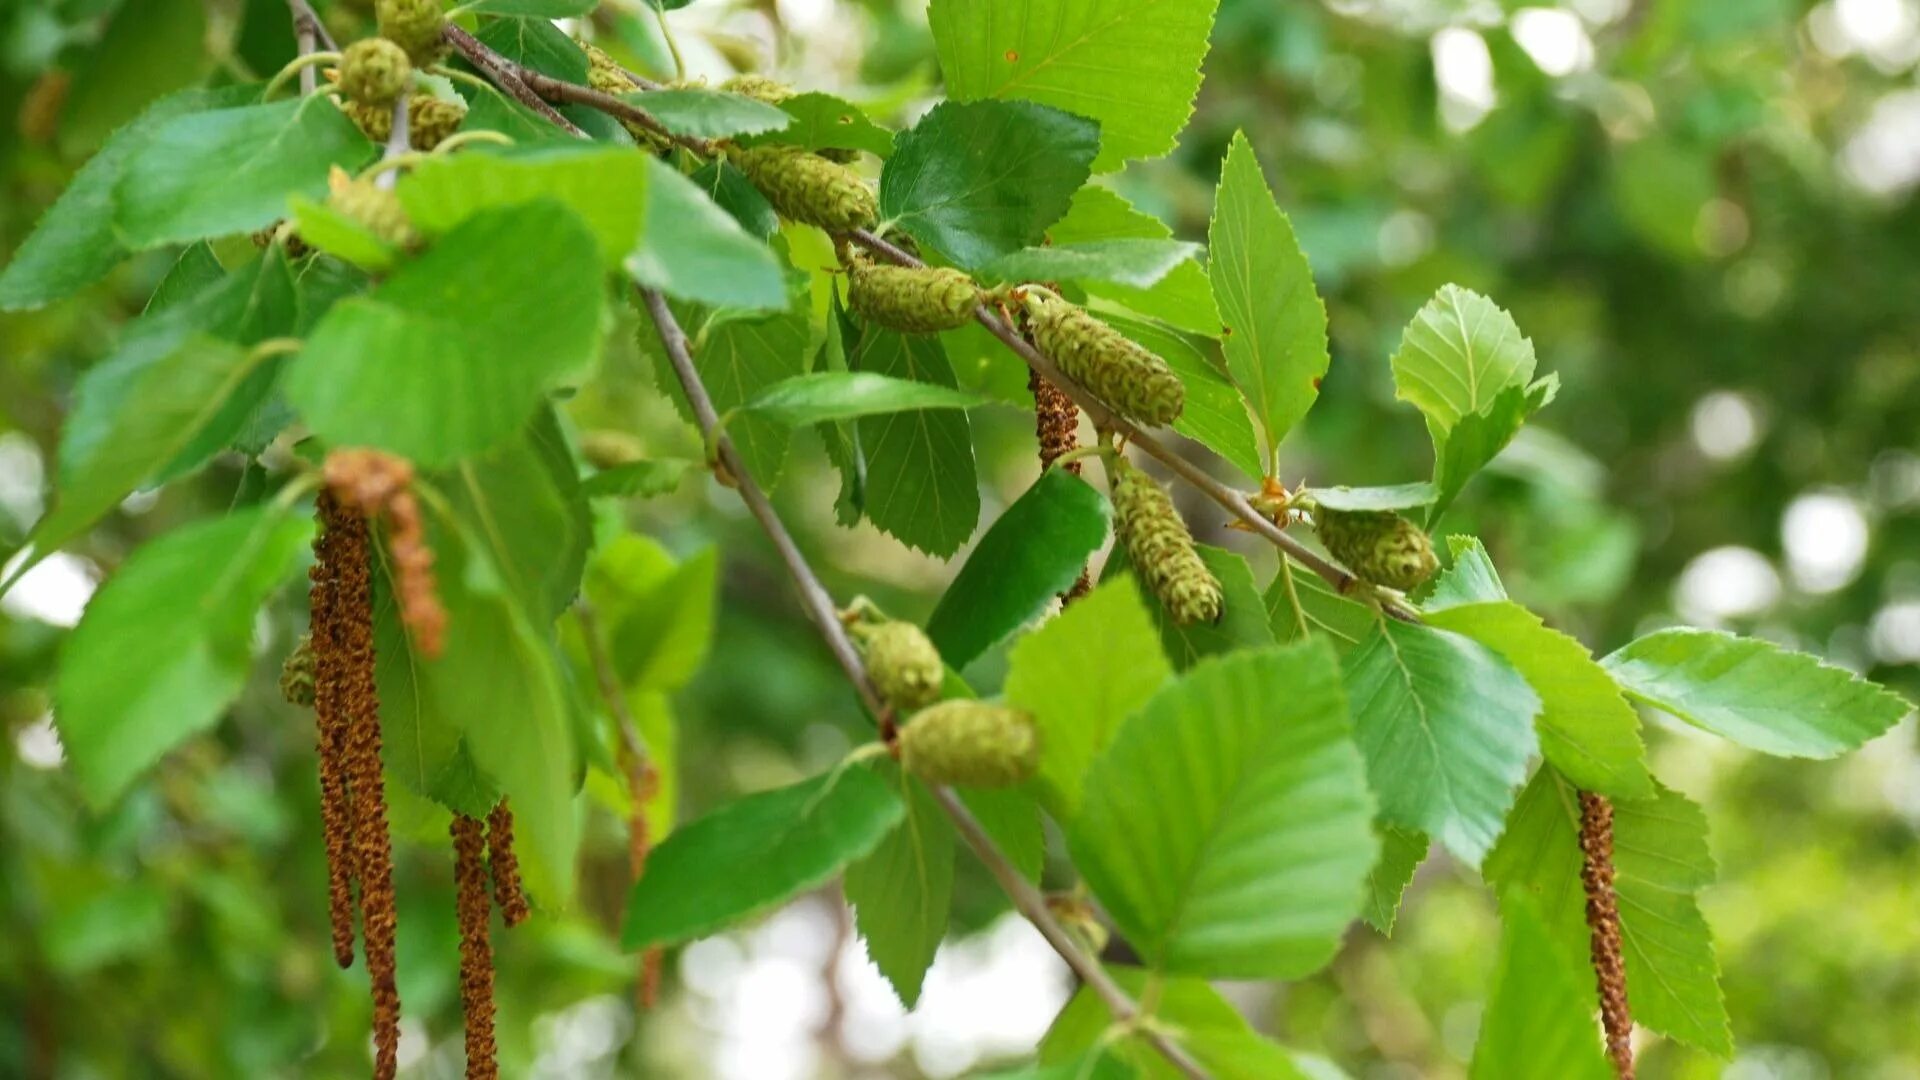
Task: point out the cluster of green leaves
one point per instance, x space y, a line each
1234 796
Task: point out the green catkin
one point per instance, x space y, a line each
297 674
374 71
807 188
774 92
605 74
915 300
415 26
1379 546
904 665
429 120
1130 379
1161 547
376 209
970 743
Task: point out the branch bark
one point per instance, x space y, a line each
309 34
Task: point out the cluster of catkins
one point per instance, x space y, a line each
332 671
960 741
375 72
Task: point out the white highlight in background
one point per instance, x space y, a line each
1726 583
1463 68
1825 535
1555 40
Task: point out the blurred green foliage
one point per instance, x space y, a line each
1701 221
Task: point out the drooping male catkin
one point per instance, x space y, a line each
1379 546
643 783
905 667
415 26
1056 428
507 889
350 566
1603 926
1160 546
1130 379
378 484
807 188
374 71
970 743
327 640
911 299
476 950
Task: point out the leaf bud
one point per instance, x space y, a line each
970 743
1161 547
1129 378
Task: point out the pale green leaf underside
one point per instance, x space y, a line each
1538 1023
824 396
902 892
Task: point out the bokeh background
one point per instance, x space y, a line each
1700 210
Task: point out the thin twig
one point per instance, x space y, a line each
608 680
506 75
311 36
398 144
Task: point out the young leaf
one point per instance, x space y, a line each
922 488
710 114
1479 436
972 206
1033 552
693 250
232 170
534 9
1243 616
524 497
1471 579
639 479
1134 67
165 645
902 892
1446 727
1661 862
449 356
1276 327
1248 858
180 387
1183 299
1079 676
656 612
605 185
1586 728
1456 357
824 122
74 243
1369 499
755 852
1754 692
1215 415
846 395
1136 262
1401 853
1539 1017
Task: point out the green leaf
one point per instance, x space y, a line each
737 358
694 250
1480 436
605 185
730 190
1228 829
639 479
709 114
1446 727
1401 853
824 122
524 499
1183 299
973 206
544 47
1539 1016
1137 262
1243 615
148 49
1275 336
657 613
1586 728
755 852
450 355
824 396
536 9
1206 1025
1300 604
1397 497
165 645
1033 553
180 387
1456 357
1079 676
341 235
1011 816
1471 579
1214 416
902 892
1661 861
74 244
232 170
1754 692
1133 66
121 921
922 488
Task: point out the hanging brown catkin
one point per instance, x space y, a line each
507 891
1056 426
642 784
476 952
1603 921
373 848
330 719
